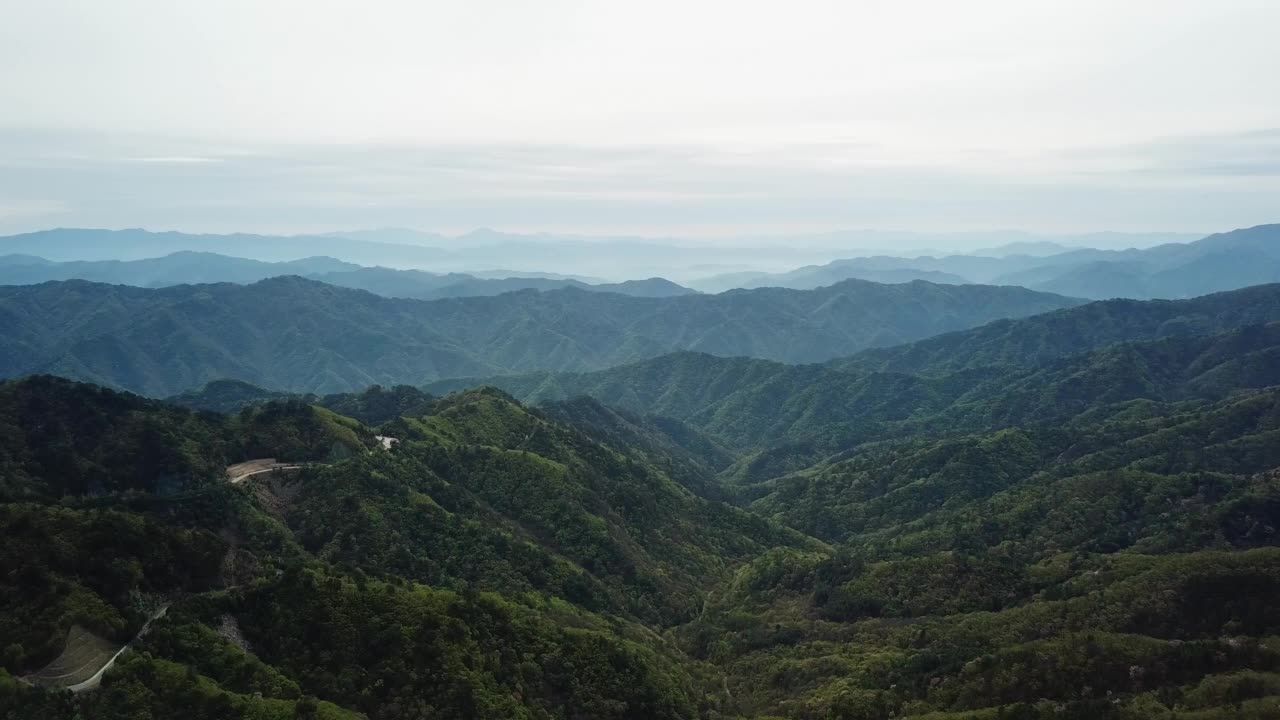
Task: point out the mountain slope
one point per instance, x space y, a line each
1219 262
1127 546
65 438
553 560
299 335
814 409
1029 341
1092 536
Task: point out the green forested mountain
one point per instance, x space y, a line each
299 335
225 396
689 456
783 417
1118 566
1052 335
1118 562
593 548
1032 369
1087 534
65 438
374 405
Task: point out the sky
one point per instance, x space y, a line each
691 119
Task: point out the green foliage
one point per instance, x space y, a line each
141 687
293 334
92 568
61 438
407 651
788 417
377 404
225 396
1035 340
293 431
686 455
483 490
1092 536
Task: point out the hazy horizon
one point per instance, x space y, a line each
610 258
722 119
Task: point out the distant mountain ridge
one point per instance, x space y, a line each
1223 261
477 251
186 267
427 286
295 334
582 256
189 268
87 244
815 276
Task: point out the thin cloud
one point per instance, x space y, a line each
176 159
667 189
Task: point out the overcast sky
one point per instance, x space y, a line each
688 118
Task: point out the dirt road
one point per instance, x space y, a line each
239 472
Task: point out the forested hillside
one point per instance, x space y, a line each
1029 341
1085 534
299 335
593 548
1035 369
392 360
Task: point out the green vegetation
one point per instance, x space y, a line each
93 568
292 334
757 406
595 551
377 404
63 438
1031 341
1089 535
372 406
225 396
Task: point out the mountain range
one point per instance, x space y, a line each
1223 261
295 334
796 414
190 268
475 252
1067 515
407 266
293 488
519 254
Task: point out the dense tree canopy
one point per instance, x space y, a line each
1087 535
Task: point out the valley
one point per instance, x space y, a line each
498 360
1046 516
